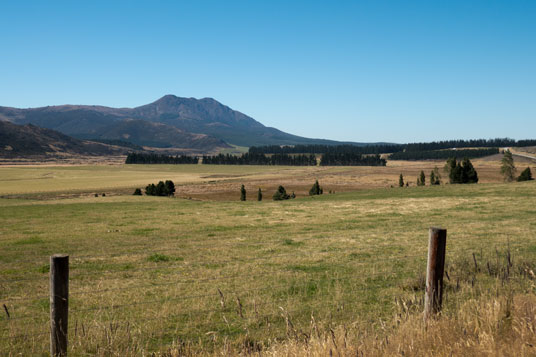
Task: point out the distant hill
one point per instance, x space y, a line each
32 141
177 122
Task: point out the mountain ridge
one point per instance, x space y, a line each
220 124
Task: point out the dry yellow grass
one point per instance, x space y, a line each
484 327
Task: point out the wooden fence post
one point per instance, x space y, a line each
434 271
59 304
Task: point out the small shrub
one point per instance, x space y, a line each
157 257
137 192
280 194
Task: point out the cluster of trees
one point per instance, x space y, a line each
160 189
443 154
461 171
435 179
145 158
261 159
508 169
458 171
324 149
349 159
281 194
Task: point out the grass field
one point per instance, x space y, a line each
164 274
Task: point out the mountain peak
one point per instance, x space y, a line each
167 98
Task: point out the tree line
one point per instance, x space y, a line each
146 158
389 148
443 154
325 149
261 159
349 159
474 143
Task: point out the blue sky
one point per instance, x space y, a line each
398 71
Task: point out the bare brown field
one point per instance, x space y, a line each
335 179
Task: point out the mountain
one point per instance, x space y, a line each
32 141
205 123
155 134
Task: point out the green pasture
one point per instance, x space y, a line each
151 274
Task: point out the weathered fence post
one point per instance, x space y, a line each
59 304
434 271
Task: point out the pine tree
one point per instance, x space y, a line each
161 189
526 175
242 193
150 190
436 177
454 170
316 189
293 195
469 173
508 168
421 180
401 181
450 165
259 195
170 187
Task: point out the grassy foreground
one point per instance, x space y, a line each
179 276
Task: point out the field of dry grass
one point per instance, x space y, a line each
213 182
179 276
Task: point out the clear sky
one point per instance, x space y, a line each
397 71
